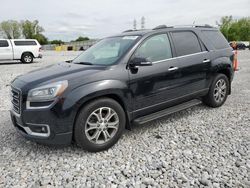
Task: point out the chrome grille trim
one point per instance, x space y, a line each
16 99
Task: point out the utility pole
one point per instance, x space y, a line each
142 22
134 24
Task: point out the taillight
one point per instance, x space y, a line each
40 49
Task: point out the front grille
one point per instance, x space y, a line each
16 100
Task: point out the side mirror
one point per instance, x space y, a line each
68 61
140 61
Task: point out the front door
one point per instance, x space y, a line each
153 86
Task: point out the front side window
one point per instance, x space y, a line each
25 43
4 43
186 42
155 48
107 51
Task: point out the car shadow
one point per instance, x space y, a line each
135 129
166 119
15 63
9 62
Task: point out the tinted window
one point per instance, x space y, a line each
25 43
155 48
217 39
107 51
186 43
4 43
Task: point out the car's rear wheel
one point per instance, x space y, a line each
99 125
218 91
27 58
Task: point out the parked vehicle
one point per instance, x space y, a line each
20 49
133 77
239 45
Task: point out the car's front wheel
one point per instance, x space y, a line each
99 124
218 91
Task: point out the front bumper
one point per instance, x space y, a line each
52 135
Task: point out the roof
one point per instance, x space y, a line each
164 28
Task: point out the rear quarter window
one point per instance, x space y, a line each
4 43
25 43
186 42
216 38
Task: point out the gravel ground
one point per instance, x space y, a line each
198 147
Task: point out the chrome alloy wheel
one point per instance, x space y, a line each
27 58
101 125
220 90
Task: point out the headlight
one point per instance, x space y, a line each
47 92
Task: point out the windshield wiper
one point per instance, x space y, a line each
84 63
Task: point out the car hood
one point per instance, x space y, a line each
60 71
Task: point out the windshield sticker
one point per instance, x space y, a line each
130 37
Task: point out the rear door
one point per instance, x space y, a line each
5 50
193 63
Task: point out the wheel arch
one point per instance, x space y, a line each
227 72
27 52
113 96
90 92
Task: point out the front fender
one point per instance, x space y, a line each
80 95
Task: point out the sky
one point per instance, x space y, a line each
68 19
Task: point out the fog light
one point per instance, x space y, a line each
37 129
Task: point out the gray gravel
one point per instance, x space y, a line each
198 147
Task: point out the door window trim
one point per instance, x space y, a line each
186 30
174 56
150 36
178 57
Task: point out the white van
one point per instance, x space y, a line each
20 49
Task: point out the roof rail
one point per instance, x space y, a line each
205 26
129 30
161 27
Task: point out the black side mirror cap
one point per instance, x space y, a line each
140 61
68 61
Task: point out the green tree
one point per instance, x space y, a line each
235 30
225 24
30 29
82 39
58 42
244 31
41 39
11 29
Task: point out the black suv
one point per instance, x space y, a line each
133 77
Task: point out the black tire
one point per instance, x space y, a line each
210 99
81 137
27 58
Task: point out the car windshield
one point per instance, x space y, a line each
106 51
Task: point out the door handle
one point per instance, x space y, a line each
206 61
172 68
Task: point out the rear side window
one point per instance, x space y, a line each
4 43
186 42
155 48
216 38
25 43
